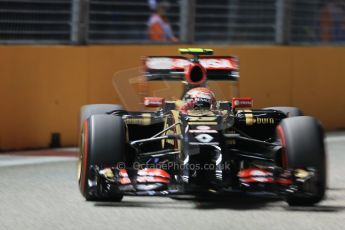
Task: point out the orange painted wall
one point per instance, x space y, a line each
43 87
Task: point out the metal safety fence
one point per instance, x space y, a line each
35 21
185 21
316 22
250 21
123 21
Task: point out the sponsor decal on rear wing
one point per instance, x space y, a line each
172 68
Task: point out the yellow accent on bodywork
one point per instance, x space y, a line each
249 118
177 128
196 51
300 173
202 118
144 120
202 123
179 103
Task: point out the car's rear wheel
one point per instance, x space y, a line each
302 139
102 144
289 111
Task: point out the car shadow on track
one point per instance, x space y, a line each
243 202
232 201
317 208
333 197
166 203
239 202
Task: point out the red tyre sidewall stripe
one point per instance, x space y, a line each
282 138
86 142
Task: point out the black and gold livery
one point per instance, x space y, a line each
219 150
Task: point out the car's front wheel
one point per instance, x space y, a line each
102 145
302 139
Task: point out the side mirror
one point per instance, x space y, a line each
154 101
241 102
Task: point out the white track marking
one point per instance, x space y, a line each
67 149
10 160
335 138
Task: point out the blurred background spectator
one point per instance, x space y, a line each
332 21
159 28
186 21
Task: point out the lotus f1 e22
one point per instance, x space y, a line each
198 145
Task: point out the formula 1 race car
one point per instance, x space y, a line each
198 145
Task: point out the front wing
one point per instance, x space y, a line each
157 182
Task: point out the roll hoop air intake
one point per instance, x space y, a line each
195 74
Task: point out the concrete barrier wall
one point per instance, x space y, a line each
43 87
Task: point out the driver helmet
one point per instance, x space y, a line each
200 98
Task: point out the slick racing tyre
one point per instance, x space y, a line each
302 139
289 111
87 110
102 145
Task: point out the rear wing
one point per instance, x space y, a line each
172 68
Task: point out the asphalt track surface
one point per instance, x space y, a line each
40 192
